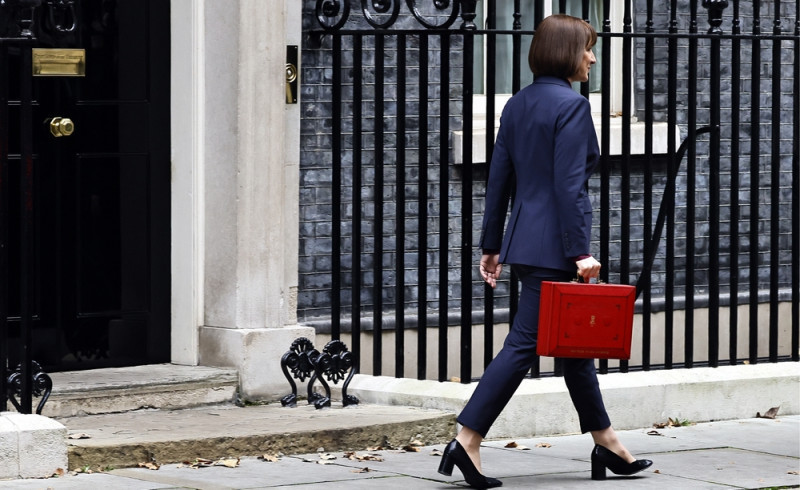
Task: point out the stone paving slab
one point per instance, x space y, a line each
718 455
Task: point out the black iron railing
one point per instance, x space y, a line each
21 378
412 117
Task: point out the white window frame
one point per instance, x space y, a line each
637 128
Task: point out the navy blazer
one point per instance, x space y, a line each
547 141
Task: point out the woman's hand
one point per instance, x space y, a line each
588 268
491 268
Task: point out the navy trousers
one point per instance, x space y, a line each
506 371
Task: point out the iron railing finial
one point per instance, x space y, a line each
715 8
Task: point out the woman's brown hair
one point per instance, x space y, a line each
558 46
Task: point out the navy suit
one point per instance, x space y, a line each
547 142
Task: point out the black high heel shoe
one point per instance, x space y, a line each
603 458
454 454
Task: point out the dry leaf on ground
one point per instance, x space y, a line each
771 413
362 470
327 456
271 458
411 449
672 423
544 444
197 463
228 463
654 433
514 445
79 435
150 465
354 456
436 452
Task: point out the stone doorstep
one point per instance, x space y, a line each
166 386
31 446
126 440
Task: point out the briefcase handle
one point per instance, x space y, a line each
579 280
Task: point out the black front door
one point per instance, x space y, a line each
102 192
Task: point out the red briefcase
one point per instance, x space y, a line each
585 320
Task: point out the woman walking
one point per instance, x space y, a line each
548 143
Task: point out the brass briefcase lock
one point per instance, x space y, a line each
61 126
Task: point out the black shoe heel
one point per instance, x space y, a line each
455 455
603 458
446 464
598 469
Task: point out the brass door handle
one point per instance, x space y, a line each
61 126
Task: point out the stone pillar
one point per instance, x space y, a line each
251 193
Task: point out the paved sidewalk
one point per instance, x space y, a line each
751 453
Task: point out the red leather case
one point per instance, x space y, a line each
585 320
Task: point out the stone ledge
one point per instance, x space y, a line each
31 446
125 440
634 400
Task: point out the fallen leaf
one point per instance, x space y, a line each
455 379
354 456
771 413
79 435
197 463
657 471
324 461
327 456
362 470
514 445
228 463
376 448
654 433
150 465
436 452
270 458
793 472
59 472
411 449
544 444
416 442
